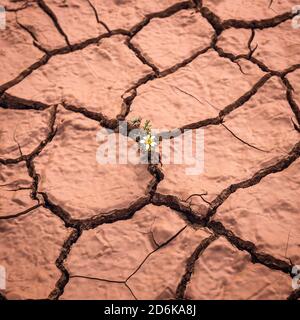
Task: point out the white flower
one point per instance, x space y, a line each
148 142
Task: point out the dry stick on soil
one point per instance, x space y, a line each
190 265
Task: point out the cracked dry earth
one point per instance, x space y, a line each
71 228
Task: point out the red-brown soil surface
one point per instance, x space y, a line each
72 228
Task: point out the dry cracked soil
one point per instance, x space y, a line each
73 228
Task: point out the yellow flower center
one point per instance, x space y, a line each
149 140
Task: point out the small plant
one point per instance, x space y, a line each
147 127
148 142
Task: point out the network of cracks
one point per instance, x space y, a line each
74 229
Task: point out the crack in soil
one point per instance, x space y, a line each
190 265
193 217
164 244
